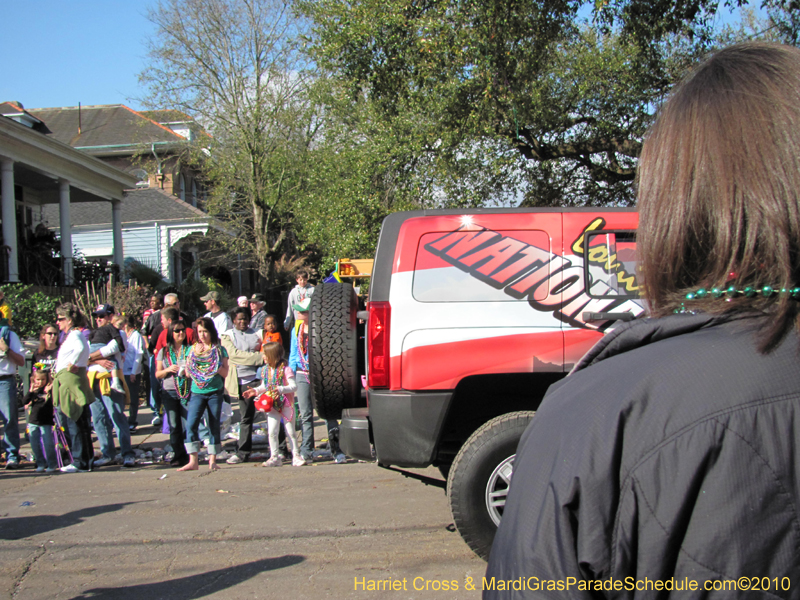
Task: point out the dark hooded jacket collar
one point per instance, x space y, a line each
641 332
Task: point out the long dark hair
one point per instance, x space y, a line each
719 188
171 331
209 326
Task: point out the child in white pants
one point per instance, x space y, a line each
277 380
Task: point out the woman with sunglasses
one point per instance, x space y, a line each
207 366
171 369
72 392
47 351
46 355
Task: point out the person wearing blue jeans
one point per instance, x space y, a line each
176 415
155 392
39 404
298 362
42 437
207 367
211 406
171 372
107 409
13 357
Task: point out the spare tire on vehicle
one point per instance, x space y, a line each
333 349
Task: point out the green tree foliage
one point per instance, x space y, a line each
416 104
30 312
542 102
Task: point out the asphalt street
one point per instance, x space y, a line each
326 530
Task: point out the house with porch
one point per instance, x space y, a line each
160 217
163 223
39 171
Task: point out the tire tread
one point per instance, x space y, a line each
333 356
460 489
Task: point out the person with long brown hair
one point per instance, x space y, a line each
207 367
176 387
670 453
48 346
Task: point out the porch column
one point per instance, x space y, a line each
9 215
116 228
66 231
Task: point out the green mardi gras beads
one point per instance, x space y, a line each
766 291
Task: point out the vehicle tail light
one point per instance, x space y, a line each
378 344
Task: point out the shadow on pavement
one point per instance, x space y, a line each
193 586
16 528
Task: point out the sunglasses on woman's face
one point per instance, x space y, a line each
51 333
178 331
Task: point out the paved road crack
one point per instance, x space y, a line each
40 551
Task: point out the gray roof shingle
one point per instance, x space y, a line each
103 126
138 206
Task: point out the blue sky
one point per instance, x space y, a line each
62 52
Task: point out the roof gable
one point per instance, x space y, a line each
15 111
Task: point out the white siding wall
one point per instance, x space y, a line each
139 243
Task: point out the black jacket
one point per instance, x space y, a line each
672 452
41 408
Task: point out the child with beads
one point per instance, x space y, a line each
277 380
39 404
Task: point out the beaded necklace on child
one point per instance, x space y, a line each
202 364
272 381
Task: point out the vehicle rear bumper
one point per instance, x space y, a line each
403 426
354 437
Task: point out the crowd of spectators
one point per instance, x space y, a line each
83 378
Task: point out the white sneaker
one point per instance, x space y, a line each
116 385
49 470
40 469
156 421
298 461
340 458
102 462
275 461
128 463
234 460
72 469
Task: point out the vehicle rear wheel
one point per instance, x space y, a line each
332 349
478 481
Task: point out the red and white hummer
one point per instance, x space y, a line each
471 316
